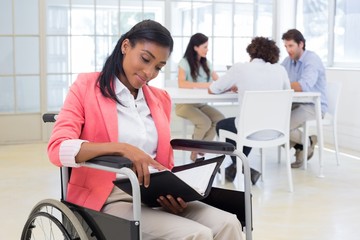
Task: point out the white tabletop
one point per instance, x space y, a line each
186 95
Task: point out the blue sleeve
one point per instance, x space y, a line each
310 72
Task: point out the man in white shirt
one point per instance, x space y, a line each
261 73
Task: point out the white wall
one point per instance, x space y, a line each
349 108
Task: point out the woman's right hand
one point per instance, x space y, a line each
141 162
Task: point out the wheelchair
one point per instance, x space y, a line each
58 219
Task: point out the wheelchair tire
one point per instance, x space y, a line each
52 219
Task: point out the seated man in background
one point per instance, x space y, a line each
260 74
307 74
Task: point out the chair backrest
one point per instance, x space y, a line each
333 90
265 116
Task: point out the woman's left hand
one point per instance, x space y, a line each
170 204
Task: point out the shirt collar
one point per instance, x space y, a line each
123 93
300 59
259 60
303 56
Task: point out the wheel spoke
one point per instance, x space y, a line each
52 220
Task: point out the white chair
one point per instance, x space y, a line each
264 121
333 90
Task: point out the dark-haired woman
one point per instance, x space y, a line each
115 112
195 71
260 74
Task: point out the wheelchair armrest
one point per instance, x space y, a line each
120 165
202 146
49 117
112 161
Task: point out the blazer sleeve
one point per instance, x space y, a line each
70 120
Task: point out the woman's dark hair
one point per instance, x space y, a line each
191 56
294 34
263 48
146 30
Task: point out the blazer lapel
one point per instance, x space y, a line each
109 114
161 121
155 109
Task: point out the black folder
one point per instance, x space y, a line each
168 183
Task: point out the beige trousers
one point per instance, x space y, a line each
204 118
300 113
198 222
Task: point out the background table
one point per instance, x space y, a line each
185 95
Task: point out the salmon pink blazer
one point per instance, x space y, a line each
88 115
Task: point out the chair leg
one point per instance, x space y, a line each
262 156
288 167
222 173
305 144
336 143
184 135
222 166
279 154
239 170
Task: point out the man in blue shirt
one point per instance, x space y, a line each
307 74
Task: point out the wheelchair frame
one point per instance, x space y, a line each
75 222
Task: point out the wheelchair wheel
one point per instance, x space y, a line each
50 220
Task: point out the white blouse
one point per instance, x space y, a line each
136 125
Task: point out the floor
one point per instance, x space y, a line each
318 209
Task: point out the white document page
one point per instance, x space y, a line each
198 177
123 176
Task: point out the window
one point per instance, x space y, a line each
20 57
339 46
346 34
81 34
230 26
312 21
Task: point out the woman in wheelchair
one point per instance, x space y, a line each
116 112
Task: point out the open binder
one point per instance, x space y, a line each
190 182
